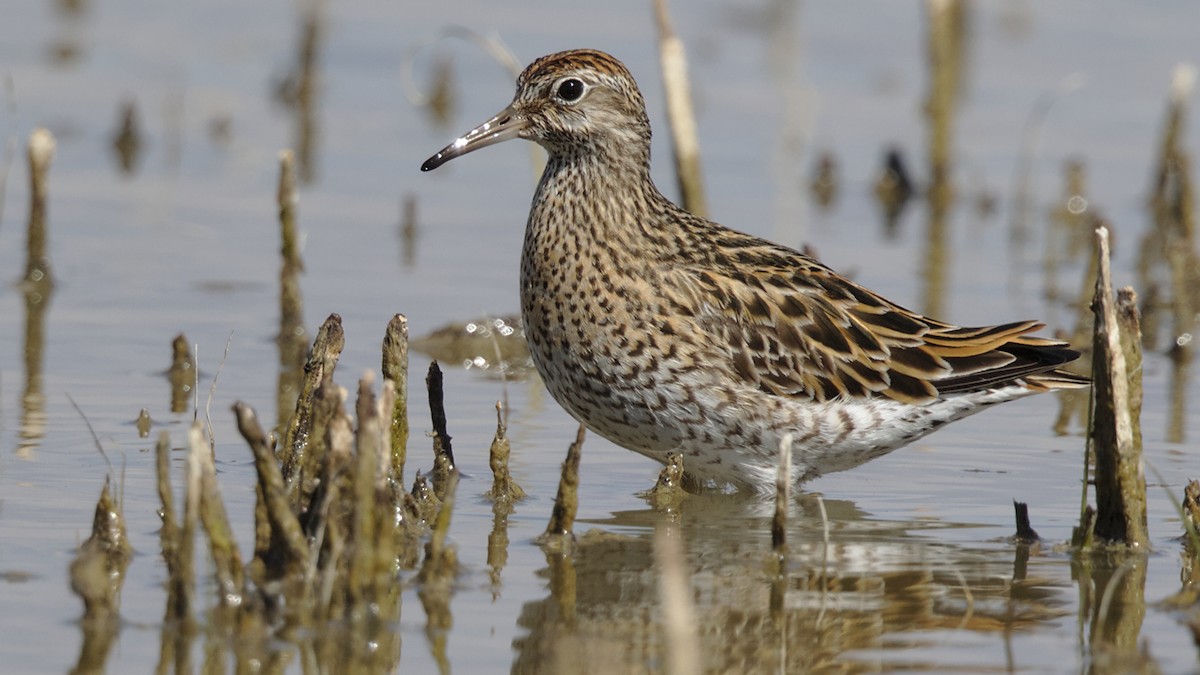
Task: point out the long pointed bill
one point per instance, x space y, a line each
505 125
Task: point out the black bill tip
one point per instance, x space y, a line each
433 162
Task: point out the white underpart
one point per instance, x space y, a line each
822 445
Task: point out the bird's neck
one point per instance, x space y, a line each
613 163
588 195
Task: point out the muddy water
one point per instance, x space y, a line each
916 572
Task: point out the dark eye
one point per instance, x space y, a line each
570 90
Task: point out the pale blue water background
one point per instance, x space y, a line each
136 261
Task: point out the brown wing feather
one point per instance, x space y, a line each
796 328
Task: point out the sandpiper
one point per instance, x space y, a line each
665 332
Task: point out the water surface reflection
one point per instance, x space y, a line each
845 604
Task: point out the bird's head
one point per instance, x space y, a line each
571 103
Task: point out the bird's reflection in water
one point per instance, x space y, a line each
876 591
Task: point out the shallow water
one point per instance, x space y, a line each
917 572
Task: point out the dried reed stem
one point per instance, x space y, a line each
504 488
395 370
227 561
679 112
560 529
1120 480
443 454
783 494
287 551
37 259
327 348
